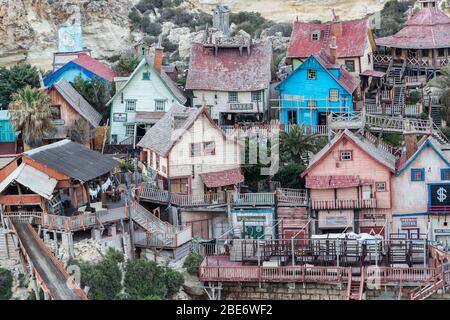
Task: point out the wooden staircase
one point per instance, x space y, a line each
439 281
356 286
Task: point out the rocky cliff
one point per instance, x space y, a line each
28 28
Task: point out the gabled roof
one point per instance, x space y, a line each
166 132
95 66
77 102
73 159
35 180
170 85
229 70
430 142
429 28
385 158
346 80
351 42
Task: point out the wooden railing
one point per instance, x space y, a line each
72 223
382 58
211 272
415 80
343 204
253 199
297 196
23 216
393 110
186 200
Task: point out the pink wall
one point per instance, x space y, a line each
361 165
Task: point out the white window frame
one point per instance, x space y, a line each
127 127
312 72
380 183
346 155
130 102
366 192
334 97
257 96
158 103
233 96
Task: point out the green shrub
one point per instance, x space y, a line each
192 263
17 77
6 281
173 280
143 279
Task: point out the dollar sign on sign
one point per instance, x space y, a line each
441 194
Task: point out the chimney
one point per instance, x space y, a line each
410 144
158 59
337 29
333 49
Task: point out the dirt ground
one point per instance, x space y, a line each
306 10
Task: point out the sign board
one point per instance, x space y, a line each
70 38
440 195
441 231
380 216
408 222
335 219
254 223
120 117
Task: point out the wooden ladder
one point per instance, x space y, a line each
356 285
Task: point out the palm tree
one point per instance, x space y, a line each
296 143
30 113
442 86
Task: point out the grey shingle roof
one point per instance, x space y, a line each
379 154
76 101
162 136
73 160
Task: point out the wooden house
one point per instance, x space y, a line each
318 86
350 183
142 99
84 66
231 76
71 112
421 189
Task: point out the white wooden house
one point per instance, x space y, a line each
190 153
142 99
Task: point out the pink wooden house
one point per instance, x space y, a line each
350 185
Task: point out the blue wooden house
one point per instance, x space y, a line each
319 85
84 66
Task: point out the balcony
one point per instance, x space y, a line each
242 107
343 204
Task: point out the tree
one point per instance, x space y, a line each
297 143
80 131
15 78
126 64
143 279
96 92
30 113
6 281
393 17
103 278
192 263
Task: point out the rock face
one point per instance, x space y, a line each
28 28
288 10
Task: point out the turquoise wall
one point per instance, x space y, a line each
298 84
7 133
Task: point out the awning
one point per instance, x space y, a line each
148 117
336 182
33 179
373 74
222 178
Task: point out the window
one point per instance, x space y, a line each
196 149
315 35
312 104
145 76
129 130
157 161
350 65
369 58
121 97
312 74
256 96
113 138
425 53
346 155
366 192
179 185
130 105
441 52
210 148
380 186
334 95
233 96
445 174
418 174
56 111
150 158
160 105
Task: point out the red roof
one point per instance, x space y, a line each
351 38
346 80
222 178
429 28
335 182
96 67
229 70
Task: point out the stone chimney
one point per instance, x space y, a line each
410 144
333 50
159 54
